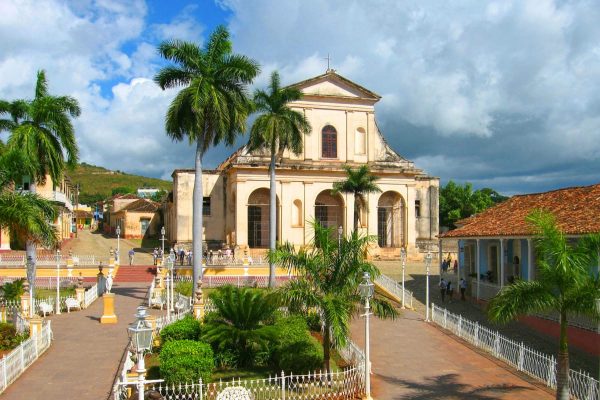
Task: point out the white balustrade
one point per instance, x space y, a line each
534 363
395 289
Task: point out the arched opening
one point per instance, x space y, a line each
297 219
360 141
258 218
329 210
390 220
329 142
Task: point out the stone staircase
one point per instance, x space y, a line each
136 273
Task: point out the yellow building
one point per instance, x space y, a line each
60 194
344 132
138 219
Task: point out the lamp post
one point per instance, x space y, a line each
403 260
30 278
170 283
171 271
57 281
427 266
366 289
140 336
118 232
340 233
162 238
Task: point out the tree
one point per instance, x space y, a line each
328 277
458 202
241 322
44 131
12 291
358 182
565 285
210 109
158 196
277 129
122 190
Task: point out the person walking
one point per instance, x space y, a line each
443 286
449 290
131 254
463 288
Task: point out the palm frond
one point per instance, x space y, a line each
520 298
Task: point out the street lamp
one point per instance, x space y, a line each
140 336
403 260
162 234
57 281
366 289
427 266
170 283
340 233
118 232
30 278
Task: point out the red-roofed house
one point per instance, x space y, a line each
138 219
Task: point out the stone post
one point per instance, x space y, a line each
70 266
199 302
80 295
35 326
2 313
151 319
109 317
25 304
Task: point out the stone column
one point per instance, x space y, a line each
478 254
199 302
108 316
529 260
35 326
501 263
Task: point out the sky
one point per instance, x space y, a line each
502 94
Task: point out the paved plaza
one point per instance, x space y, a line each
412 359
84 357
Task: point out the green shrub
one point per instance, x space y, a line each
314 321
186 361
9 339
296 351
184 287
187 328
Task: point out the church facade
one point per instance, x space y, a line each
344 132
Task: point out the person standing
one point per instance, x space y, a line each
463 288
443 286
449 290
131 254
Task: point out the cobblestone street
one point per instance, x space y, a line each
415 282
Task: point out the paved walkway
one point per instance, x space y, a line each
83 359
414 360
99 244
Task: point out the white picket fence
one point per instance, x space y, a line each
396 289
90 296
536 364
16 362
12 260
45 282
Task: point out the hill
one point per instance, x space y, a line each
97 183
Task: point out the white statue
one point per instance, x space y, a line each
109 282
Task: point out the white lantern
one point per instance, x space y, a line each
140 332
366 287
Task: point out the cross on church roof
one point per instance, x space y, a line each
328 58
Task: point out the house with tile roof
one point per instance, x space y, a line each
138 219
496 246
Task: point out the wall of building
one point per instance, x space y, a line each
131 227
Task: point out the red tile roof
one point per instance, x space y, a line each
577 211
141 205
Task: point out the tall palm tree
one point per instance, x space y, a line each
277 129
565 285
358 182
210 109
44 131
329 273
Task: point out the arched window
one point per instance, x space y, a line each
329 142
360 141
297 213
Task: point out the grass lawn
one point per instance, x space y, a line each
45 293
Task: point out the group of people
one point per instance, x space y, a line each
447 264
447 289
225 254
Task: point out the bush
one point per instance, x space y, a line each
186 361
185 288
187 328
314 321
9 339
296 351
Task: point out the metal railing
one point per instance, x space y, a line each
211 281
48 260
536 364
16 362
342 385
395 288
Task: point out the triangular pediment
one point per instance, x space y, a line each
331 84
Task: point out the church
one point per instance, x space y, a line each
344 132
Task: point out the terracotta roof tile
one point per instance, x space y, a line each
141 205
577 211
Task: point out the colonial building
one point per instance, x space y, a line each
344 132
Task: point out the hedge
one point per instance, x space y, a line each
184 361
296 350
187 328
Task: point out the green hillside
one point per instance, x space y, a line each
97 183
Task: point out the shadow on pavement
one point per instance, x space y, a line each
448 387
133 292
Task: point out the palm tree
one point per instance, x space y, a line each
11 291
329 273
358 182
42 129
565 285
210 109
242 321
277 129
